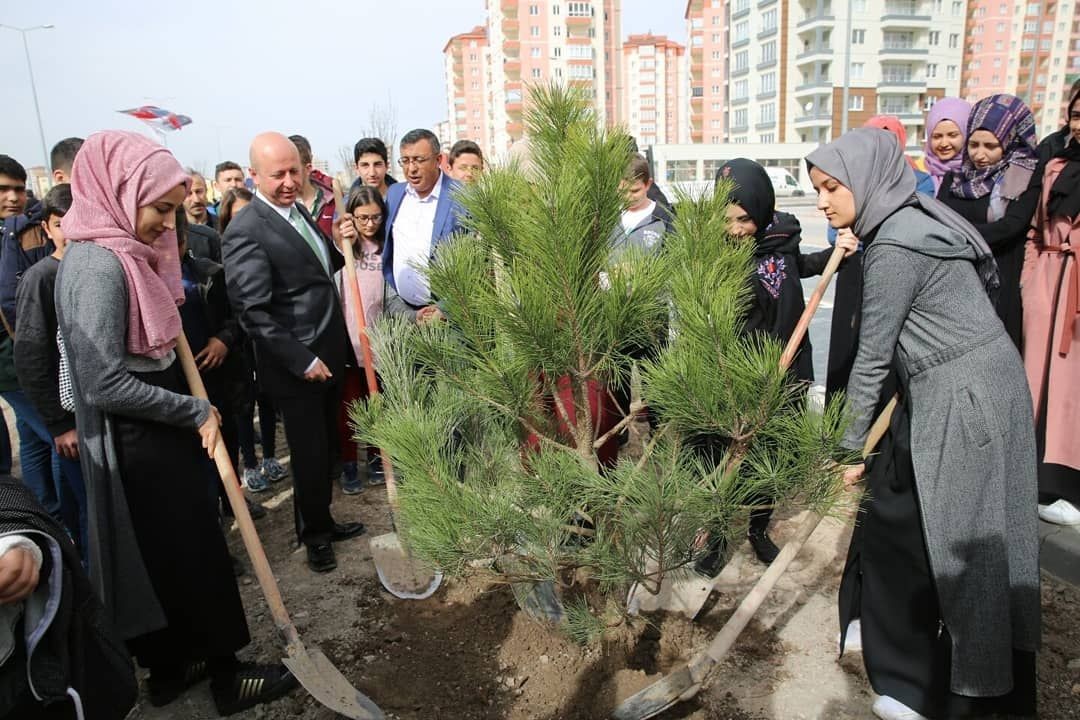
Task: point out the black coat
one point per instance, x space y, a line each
287 303
78 650
1006 237
778 295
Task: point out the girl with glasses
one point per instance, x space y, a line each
364 223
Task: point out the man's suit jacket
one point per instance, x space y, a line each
447 220
286 301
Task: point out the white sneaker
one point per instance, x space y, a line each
888 708
853 638
1060 512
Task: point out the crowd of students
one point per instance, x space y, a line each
959 293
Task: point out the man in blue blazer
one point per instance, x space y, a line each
422 214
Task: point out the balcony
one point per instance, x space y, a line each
766 64
810 23
768 33
767 125
903 53
740 43
577 21
509 7
816 87
900 86
818 119
767 95
815 53
742 12
510 28
739 72
904 21
739 100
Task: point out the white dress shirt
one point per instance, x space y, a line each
285 213
412 243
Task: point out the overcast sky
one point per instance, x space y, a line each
313 67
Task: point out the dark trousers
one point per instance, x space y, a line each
311 429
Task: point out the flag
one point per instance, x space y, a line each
159 119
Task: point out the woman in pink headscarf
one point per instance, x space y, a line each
157 556
946 135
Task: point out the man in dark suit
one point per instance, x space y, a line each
421 214
279 269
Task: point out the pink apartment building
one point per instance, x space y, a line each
654 95
706 21
1030 49
466 59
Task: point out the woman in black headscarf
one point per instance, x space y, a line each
944 573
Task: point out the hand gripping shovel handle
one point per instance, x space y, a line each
797 335
239 507
353 289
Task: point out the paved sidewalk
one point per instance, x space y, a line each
1060 551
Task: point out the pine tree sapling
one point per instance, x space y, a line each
494 419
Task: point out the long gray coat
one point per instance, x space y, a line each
972 440
92 307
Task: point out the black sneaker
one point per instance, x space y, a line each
251 685
163 690
764 547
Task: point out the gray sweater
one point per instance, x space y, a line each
92 307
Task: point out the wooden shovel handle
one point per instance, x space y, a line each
797 335
722 643
239 507
353 288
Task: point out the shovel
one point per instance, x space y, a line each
688 593
313 669
685 682
398 572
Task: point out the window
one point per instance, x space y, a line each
934 37
715 19
950 72
474 85
534 9
741 89
1033 8
767 138
857 70
558 51
742 31
715 89
1031 26
768 83
714 123
534 31
931 70
742 60
536 72
957 8
767 113
579 9
858 6
682 170
855 103
740 120
1029 44
715 54
858 37
954 40
554 9
768 51
768 20
716 107
716 37
534 52
899 40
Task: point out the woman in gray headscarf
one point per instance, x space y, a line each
946 557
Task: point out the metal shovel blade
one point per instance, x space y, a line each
658 697
326 684
399 573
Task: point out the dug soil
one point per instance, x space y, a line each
467 653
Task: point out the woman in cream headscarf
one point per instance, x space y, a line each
946 554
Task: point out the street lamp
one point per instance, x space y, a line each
33 87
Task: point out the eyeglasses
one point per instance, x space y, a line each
407 161
18 189
365 219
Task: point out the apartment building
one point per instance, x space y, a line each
895 56
1029 49
654 90
539 41
706 28
465 59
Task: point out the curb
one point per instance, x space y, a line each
1059 551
